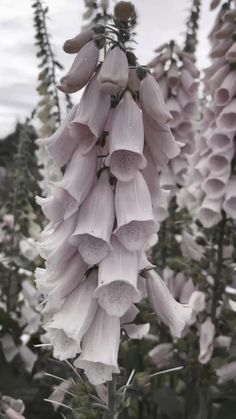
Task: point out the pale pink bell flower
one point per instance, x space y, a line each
126 140
117 280
100 349
224 94
74 45
60 145
92 113
95 221
173 314
68 326
207 334
230 198
152 102
135 221
81 70
114 73
80 174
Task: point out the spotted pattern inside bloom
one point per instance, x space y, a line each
92 249
63 346
117 297
124 164
134 235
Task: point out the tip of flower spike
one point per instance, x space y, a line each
124 10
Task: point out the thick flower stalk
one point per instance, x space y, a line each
175 71
105 211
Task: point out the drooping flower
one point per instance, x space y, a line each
100 348
173 314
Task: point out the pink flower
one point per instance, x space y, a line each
74 45
126 140
95 221
81 70
92 113
135 222
117 280
79 175
173 314
100 349
113 76
60 145
207 334
68 326
152 102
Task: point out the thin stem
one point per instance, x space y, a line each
219 267
111 386
52 60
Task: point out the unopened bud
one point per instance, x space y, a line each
124 10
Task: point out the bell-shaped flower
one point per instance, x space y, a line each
161 355
226 373
220 140
190 248
160 141
190 66
173 77
126 140
227 90
221 48
100 349
82 69
152 101
207 334
158 195
227 117
68 326
56 285
95 221
189 84
58 237
173 314
60 145
209 213
114 73
58 206
215 185
135 222
158 71
219 162
117 280
230 55
217 78
89 121
230 198
197 301
186 102
74 45
175 111
80 174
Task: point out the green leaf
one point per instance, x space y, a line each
227 410
169 403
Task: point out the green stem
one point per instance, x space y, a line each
217 285
111 386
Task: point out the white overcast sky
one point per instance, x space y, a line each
158 21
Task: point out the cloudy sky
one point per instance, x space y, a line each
159 21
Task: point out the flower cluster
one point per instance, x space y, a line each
175 71
211 182
104 213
